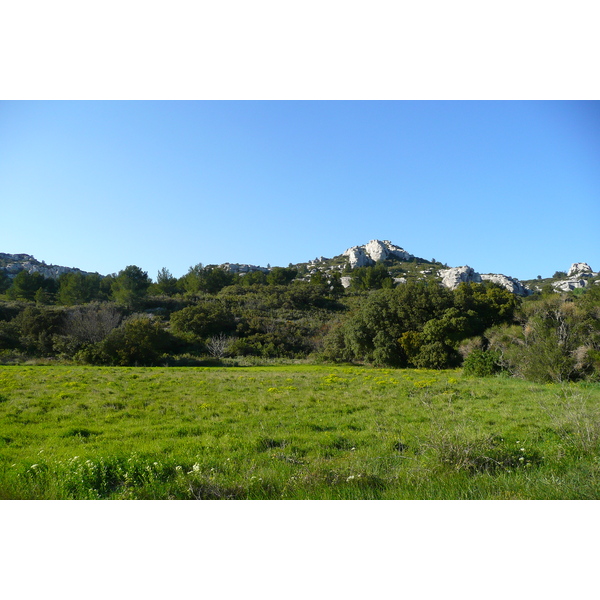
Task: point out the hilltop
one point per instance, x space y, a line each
13 264
400 264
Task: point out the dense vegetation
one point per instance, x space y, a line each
210 314
294 432
369 408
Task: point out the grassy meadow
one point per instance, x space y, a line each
293 432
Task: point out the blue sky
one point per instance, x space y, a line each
506 187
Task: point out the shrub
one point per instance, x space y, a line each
203 320
139 341
481 363
37 327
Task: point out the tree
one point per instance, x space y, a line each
91 323
84 326
337 289
139 341
166 284
25 285
281 276
78 288
130 286
42 296
317 278
372 278
218 345
4 281
375 331
209 279
253 278
203 320
485 304
37 326
556 341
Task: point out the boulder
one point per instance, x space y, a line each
508 283
357 257
581 269
453 277
374 251
567 285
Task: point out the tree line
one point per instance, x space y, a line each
210 313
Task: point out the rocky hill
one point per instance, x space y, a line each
402 265
12 264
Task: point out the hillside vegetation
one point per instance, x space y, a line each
212 314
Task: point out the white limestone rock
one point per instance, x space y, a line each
453 277
508 283
15 263
346 281
53 271
374 251
242 269
357 257
580 269
567 285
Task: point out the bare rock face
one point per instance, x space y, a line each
509 283
242 269
15 263
357 257
581 270
374 251
567 285
453 277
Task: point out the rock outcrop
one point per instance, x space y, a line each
452 278
13 264
242 269
581 270
567 285
508 283
374 251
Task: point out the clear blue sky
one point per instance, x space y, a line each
506 187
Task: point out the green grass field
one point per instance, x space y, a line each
293 432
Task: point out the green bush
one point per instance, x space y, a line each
139 341
481 363
203 320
